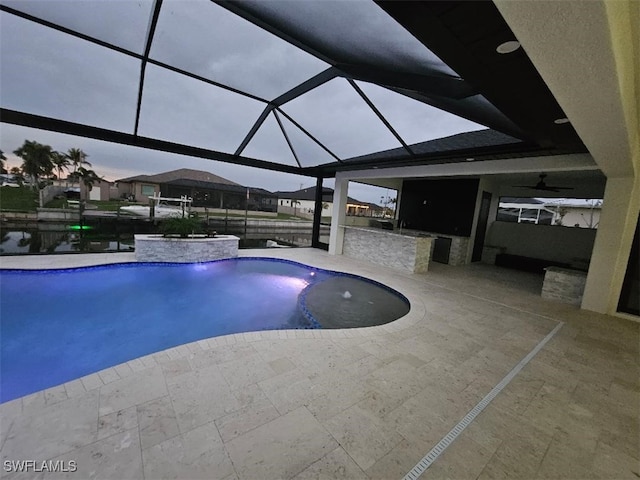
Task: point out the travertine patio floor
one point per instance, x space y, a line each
356 404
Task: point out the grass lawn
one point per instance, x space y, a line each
280 216
109 205
23 199
56 203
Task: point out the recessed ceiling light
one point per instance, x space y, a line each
508 47
560 121
470 159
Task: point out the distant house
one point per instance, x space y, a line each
576 212
9 180
571 212
101 190
366 209
302 202
205 188
524 210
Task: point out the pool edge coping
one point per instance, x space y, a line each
96 380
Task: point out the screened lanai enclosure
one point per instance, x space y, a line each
309 87
312 88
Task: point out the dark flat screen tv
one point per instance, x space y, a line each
439 206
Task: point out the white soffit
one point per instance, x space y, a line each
569 43
555 163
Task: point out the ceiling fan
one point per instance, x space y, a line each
541 185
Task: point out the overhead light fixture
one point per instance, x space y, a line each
470 159
560 121
508 47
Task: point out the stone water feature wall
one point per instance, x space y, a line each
156 248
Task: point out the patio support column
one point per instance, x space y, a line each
611 249
339 215
317 215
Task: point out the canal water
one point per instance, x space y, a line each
20 238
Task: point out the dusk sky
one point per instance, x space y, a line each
49 73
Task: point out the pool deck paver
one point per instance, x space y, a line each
355 404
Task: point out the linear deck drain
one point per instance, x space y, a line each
448 439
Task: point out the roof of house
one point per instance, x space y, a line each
523 200
307 194
180 174
185 182
373 206
310 194
474 140
575 203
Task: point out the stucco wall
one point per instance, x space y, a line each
304 207
562 244
581 216
135 189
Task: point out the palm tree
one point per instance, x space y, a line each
17 174
393 202
2 159
60 161
36 160
86 176
78 158
295 204
561 212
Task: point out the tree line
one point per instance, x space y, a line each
41 161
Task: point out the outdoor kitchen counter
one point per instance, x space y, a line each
409 251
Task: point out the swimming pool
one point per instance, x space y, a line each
58 325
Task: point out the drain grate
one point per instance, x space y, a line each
448 439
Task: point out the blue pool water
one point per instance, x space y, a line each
58 325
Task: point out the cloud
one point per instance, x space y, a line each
49 73
336 115
183 110
97 19
204 38
116 161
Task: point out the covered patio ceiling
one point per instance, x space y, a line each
319 88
